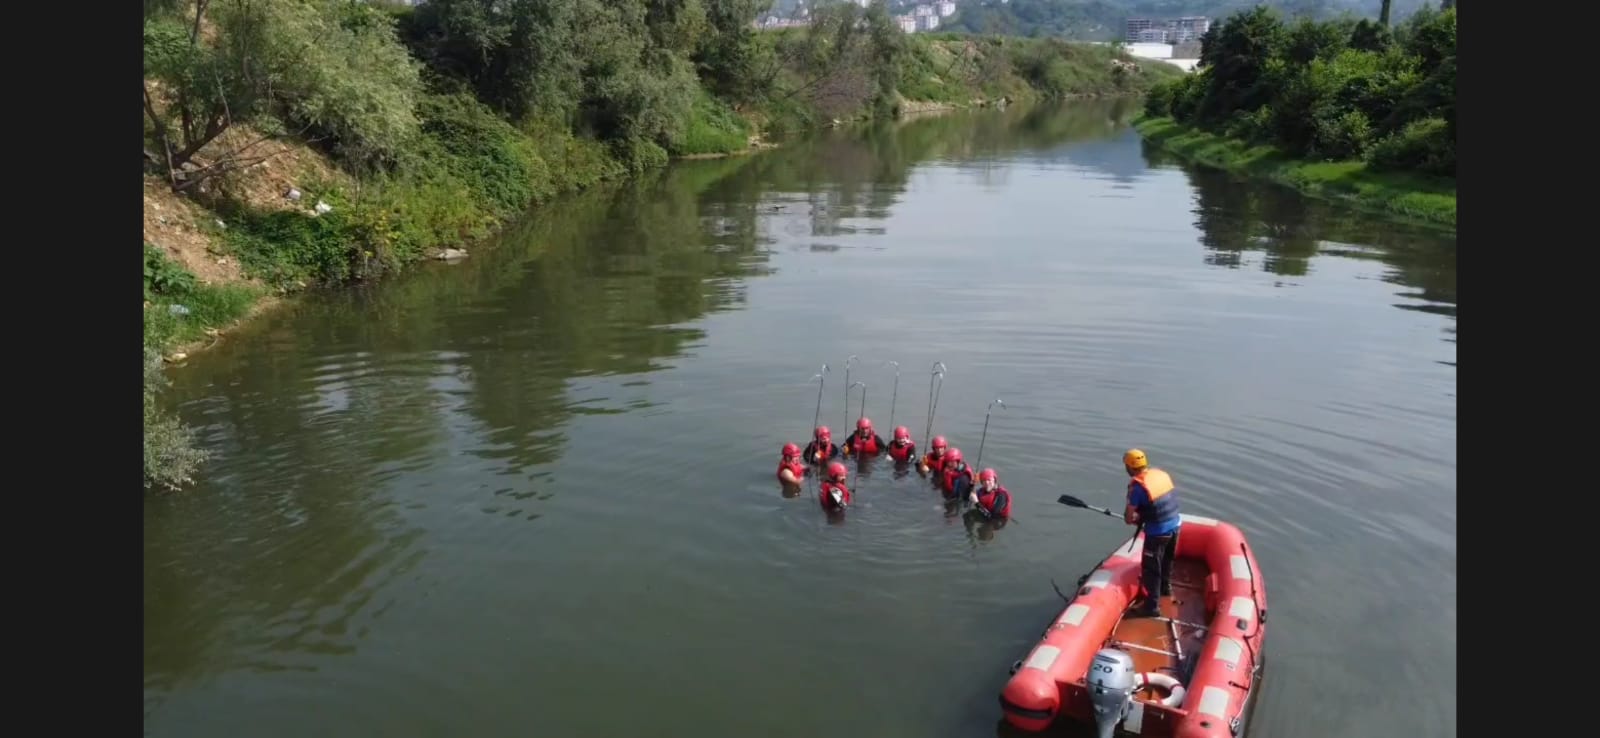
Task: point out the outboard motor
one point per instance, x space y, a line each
1112 682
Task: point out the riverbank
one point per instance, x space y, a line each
1416 197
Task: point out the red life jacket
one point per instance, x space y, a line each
828 452
825 495
864 445
902 453
935 463
952 473
996 504
797 467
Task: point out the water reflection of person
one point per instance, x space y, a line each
981 527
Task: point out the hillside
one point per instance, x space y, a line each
1104 20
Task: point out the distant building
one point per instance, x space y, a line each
1189 29
923 11
1166 31
908 22
1149 50
947 9
927 22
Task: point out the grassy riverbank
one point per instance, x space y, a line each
301 143
1345 109
1407 194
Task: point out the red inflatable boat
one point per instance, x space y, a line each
1190 674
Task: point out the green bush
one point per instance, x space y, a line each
1325 90
170 458
466 141
1425 145
713 129
167 283
163 275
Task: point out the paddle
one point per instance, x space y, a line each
1071 501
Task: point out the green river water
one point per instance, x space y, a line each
532 493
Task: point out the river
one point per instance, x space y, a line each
531 493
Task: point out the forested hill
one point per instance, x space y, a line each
1103 20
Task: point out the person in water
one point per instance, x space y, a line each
791 470
991 499
934 460
955 477
822 448
901 449
865 441
1153 506
832 493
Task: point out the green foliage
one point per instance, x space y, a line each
170 458
331 68
1410 195
468 142
334 67
729 60
713 129
179 309
163 276
1423 145
1331 90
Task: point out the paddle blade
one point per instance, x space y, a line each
1071 501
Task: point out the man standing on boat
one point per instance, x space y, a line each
1153 505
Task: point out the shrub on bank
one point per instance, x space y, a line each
170 458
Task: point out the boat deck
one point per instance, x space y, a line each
1155 644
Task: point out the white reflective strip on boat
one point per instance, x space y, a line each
1135 719
1099 578
1243 607
1197 519
1043 658
1228 651
1137 552
1075 614
1213 702
1241 567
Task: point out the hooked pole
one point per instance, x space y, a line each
892 400
986 430
847 386
823 377
856 478
933 399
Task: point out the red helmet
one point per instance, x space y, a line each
790 449
823 432
864 423
988 475
836 470
939 442
902 433
953 455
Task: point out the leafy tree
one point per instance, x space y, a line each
331 69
